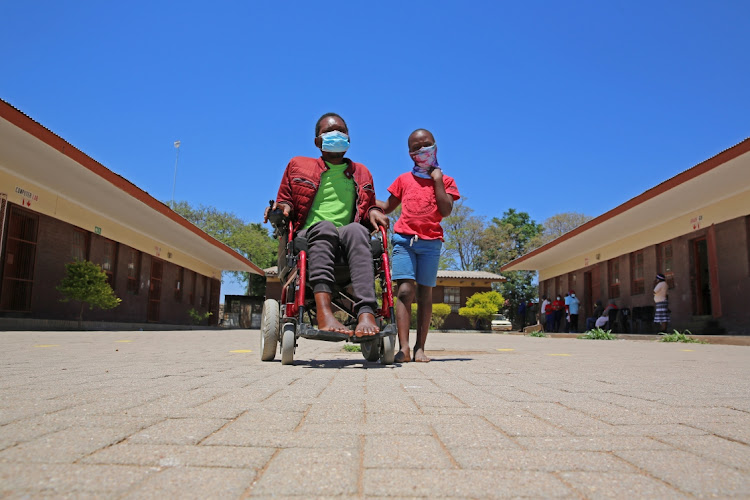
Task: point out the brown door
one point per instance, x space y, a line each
154 290
702 281
18 264
588 299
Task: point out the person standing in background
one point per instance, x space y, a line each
661 300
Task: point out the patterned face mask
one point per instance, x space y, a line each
425 159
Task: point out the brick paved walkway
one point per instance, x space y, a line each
192 415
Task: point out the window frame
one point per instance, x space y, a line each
134 281
661 250
449 294
612 282
637 285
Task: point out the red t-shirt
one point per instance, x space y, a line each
419 210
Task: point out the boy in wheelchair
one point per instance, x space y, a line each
330 206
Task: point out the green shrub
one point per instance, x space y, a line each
352 348
481 306
439 313
681 337
86 282
537 333
198 318
598 334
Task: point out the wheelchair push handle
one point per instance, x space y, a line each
276 216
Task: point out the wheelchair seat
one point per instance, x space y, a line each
341 266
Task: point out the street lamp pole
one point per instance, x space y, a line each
176 158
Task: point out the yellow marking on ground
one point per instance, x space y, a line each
687 350
242 350
123 340
559 354
47 345
505 350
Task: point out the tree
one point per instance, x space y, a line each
462 232
506 239
86 283
481 306
558 225
248 239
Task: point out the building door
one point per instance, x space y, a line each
18 264
587 295
702 280
154 290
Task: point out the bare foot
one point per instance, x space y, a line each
331 324
420 357
402 357
366 326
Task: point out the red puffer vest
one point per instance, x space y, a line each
302 179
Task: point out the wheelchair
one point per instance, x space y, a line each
293 316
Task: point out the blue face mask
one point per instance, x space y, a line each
334 142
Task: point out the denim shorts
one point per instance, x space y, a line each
415 259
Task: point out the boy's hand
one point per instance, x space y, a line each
378 218
286 209
436 174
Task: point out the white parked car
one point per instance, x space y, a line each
501 323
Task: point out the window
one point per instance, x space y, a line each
193 288
179 284
637 284
452 297
664 262
202 296
134 271
79 248
613 267
109 261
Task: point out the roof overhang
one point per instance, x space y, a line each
35 153
724 176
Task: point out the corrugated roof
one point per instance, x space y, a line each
24 122
715 161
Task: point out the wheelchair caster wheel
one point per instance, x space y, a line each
269 330
388 350
288 342
371 350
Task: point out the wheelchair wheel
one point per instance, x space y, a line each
371 350
269 330
288 342
388 350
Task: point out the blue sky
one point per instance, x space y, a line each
542 106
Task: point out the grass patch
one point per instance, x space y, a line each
352 348
537 334
598 334
681 337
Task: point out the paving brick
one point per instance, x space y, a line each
405 452
691 473
194 482
613 484
178 431
306 472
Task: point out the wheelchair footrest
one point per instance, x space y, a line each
309 332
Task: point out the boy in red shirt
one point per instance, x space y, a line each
425 196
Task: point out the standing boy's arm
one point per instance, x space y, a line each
390 205
444 200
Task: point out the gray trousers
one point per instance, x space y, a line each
323 239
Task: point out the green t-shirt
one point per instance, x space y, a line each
334 200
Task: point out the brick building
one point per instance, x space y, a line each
694 228
57 204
